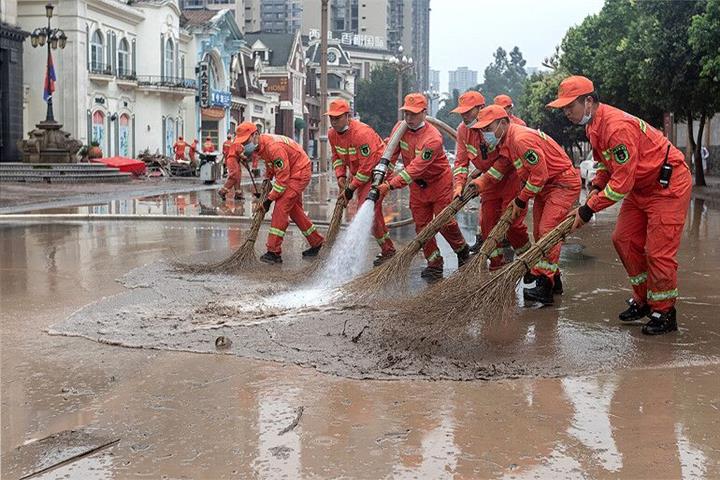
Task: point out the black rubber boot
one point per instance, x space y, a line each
271 258
432 274
635 311
222 195
478 243
311 252
529 278
463 255
382 258
541 292
557 284
239 196
661 322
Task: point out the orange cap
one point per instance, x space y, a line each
570 89
415 103
468 101
244 131
489 114
338 107
503 100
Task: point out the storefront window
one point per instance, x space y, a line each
98 128
124 135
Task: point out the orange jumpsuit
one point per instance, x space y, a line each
427 171
359 148
286 163
517 120
179 148
496 198
551 179
208 146
193 150
232 162
649 227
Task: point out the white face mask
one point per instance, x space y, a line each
585 119
422 124
344 129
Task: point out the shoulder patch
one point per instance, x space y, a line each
365 150
621 153
278 163
532 157
427 153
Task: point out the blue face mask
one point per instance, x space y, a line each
490 139
249 149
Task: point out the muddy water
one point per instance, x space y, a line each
617 405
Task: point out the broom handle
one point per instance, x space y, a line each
497 232
443 217
259 214
335 221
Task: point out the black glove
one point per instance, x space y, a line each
520 204
257 194
349 193
585 213
266 204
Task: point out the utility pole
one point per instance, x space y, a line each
400 63
323 160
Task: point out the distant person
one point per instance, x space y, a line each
208 146
179 148
357 147
640 166
193 151
227 144
507 103
234 170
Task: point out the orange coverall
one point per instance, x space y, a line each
551 179
359 148
232 162
179 148
427 171
193 150
286 163
649 227
208 146
496 197
517 120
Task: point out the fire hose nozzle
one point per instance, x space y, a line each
374 195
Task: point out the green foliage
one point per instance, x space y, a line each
376 98
452 119
505 75
704 38
540 89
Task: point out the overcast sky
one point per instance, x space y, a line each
467 32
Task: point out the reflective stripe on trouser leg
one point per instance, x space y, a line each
298 215
629 240
379 229
234 174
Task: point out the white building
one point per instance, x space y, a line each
123 79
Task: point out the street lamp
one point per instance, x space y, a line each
431 95
400 63
54 37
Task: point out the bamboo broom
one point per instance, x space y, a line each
395 269
448 297
494 300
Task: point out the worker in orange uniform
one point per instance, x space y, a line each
179 148
507 103
234 170
427 172
640 166
208 146
193 150
551 180
472 149
289 166
357 147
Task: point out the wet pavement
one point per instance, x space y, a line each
593 399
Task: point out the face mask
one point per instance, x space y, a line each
585 119
490 139
249 149
471 124
344 129
422 124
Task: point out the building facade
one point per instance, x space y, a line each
12 93
462 79
103 76
281 16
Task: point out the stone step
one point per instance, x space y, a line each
74 167
22 177
58 173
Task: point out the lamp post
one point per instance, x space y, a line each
400 63
54 37
432 95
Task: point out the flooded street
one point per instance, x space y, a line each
562 392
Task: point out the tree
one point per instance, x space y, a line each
376 99
539 90
453 119
505 75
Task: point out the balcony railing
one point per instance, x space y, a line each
126 74
166 82
101 68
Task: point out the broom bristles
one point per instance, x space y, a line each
395 269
